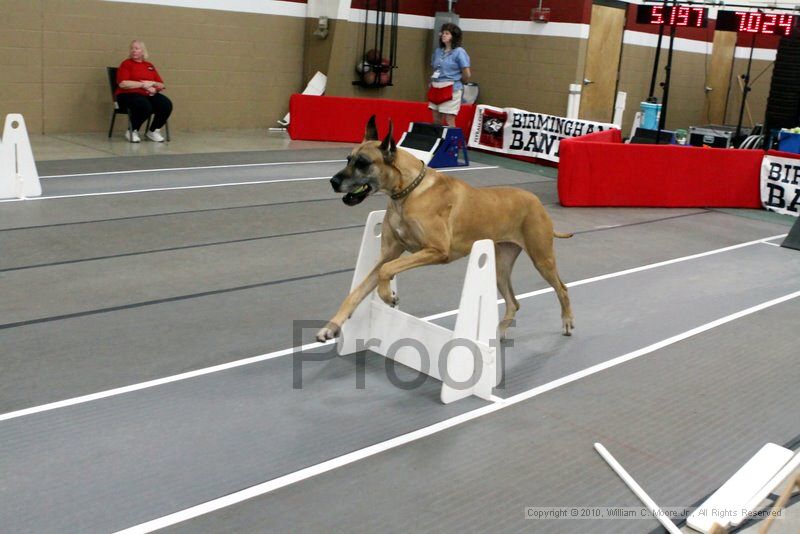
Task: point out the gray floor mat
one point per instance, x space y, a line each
113 450
116 290
681 421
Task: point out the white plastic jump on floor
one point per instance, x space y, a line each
18 175
637 489
737 498
464 359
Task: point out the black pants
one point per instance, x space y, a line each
141 107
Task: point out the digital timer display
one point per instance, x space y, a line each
693 17
755 22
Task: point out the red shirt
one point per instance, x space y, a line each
136 71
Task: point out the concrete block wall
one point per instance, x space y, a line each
223 69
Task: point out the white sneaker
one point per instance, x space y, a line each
133 139
156 136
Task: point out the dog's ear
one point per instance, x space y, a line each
371 132
388 147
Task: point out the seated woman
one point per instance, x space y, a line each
139 89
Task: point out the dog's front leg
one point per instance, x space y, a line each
426 256
389 251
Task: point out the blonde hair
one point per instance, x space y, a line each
145 55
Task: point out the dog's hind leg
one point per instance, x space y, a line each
539 246
547 268
505 255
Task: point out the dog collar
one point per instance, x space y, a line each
405 192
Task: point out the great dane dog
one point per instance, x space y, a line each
437 218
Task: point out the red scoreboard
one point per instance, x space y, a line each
661 15
756 22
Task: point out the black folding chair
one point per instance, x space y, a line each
112 81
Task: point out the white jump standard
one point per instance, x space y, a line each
464 359
18 175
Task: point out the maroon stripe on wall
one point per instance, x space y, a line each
578 11
573 11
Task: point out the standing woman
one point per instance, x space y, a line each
450 65
139 89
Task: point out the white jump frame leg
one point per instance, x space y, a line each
18 175
464 359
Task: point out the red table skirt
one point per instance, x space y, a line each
599 170
334 118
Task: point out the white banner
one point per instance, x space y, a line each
524 133
780 185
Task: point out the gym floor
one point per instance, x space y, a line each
151 300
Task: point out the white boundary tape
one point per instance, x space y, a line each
178 169
207 186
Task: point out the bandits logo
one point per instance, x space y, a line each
492 128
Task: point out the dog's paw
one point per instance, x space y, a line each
329 331
569 326
389 297
502 328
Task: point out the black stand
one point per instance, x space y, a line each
665 95
793 239
651 92
747 88
376 70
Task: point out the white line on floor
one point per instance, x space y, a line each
623 273
355 456
132 191
285 352
138 171
231 184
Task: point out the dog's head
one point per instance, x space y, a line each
368 165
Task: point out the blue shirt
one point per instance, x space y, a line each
447 65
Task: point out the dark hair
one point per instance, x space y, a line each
455 31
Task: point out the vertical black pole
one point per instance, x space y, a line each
393 52
746 88
375 41
652 91
366 27
665 96
382 9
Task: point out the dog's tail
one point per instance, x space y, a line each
563 236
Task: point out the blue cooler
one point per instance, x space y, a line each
789 142
650 114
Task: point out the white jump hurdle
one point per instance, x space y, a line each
18 175
452 354
737 498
